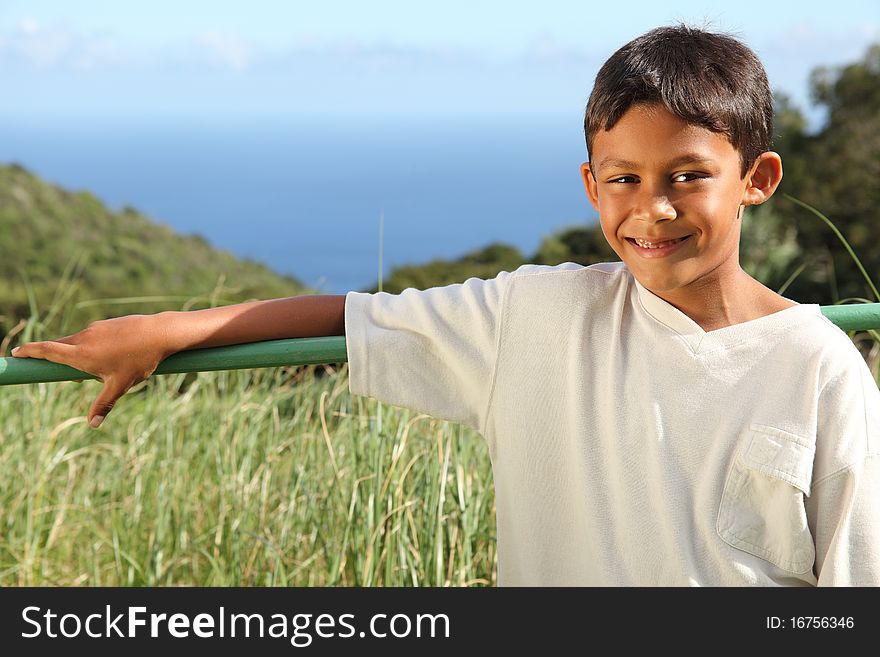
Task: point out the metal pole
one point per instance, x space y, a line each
854 316
272 353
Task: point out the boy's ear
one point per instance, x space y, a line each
590 185
763 178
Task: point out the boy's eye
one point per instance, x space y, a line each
623 179
685 177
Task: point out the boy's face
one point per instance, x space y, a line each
670 196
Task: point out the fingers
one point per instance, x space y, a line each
118 376
113 389
57 352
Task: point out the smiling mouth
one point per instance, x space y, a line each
659 244
656 248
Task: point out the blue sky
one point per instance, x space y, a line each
377 57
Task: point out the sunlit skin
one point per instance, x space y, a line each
659 178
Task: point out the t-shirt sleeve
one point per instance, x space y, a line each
844 505
433 350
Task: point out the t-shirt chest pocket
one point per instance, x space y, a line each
762 506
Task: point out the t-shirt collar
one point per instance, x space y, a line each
700 340
665 312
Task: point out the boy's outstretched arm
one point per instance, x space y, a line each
124 351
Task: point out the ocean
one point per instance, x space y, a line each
305 195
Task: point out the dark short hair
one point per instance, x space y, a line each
707 79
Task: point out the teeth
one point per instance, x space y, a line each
653 245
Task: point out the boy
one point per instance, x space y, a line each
665 420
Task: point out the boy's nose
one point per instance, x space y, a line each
654 208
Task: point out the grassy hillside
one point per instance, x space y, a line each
68 259
253 477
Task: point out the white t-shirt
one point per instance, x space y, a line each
628 445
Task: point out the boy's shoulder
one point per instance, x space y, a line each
817 331
556 287
571 277
593 285
568 268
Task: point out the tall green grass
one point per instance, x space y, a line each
268 477
262 477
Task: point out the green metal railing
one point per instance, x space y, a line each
310 351
272 353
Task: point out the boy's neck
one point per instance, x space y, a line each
725 299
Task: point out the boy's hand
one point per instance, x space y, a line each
121 352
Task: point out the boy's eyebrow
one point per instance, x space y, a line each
687 158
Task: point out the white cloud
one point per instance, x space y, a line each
34 46
545 49
228 50
805 41
28 25
42 50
